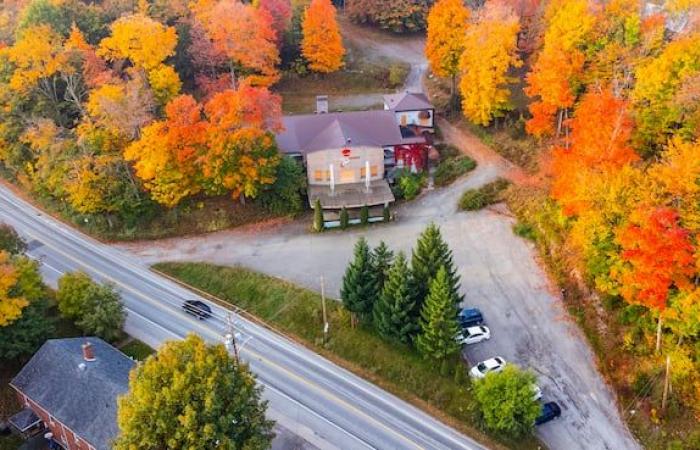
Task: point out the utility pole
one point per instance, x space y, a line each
666 383
325 316
230 337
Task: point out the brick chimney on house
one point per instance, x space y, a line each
88 354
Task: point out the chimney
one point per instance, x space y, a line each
321 104
88 355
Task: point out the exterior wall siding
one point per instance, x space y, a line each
348 167
406 118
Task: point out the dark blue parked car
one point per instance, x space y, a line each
469 317
550 411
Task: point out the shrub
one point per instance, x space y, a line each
364 215
524 230
488 194
344 218
286 194
397 74
452 168
408 185
318 216
447 150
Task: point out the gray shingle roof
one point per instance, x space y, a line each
312 132
85 400
407 101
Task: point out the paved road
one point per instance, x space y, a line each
325 405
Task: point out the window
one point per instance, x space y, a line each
373 172
318 175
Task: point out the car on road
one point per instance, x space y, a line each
470 317
550 411
197 308
485 367
474 335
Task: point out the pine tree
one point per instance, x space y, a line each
382 258
364 215
344 218
430 254
438 322
318 216
359 289
392 312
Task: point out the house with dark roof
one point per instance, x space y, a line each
347 156
411 110
72 386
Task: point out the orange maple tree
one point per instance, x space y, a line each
659 257
322 45
600 142
245 35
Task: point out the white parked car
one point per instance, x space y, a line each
473 335
536 392
484 367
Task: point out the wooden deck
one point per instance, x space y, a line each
351 195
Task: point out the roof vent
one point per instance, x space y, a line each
82 366
349 141
321 104
88 355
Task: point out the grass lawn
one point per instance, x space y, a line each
137 350
297 312
192 216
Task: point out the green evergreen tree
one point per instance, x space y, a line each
364 215
392 312
430 254
359 289
344 218
318 216
382 258
439 325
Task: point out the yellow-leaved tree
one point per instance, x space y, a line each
448 21
192 395
322 45
11 305
140 39
37 56
490 50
